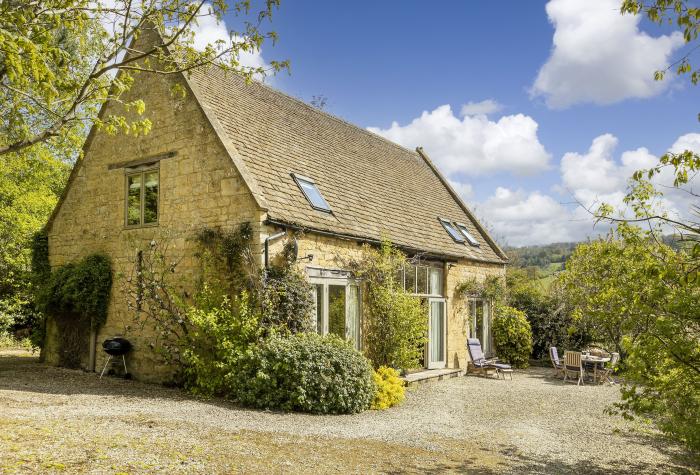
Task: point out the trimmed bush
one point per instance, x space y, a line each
304 372
512 336
390 388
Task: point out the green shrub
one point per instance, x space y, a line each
287 300
219 333
81 289
512 336
395 322
390 388
304 372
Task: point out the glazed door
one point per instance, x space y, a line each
436 333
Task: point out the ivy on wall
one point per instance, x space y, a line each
76 296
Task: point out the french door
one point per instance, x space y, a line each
437 331
338 308
480 323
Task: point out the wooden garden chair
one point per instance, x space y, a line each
556 363
479 364
605 374
573 365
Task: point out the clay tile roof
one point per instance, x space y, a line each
375 187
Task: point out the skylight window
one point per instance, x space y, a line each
451 230
467 234
308 187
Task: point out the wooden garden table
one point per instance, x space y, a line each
595 361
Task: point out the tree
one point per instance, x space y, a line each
30 184
59 61
630 291
606 283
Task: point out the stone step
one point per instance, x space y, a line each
431 375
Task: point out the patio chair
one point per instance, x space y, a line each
573 364
479 364
554 357
605 374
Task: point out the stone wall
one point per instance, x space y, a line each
199 187
330 252
457 311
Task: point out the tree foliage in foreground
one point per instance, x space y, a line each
394 321
59 58
30 184
631 292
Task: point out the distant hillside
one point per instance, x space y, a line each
541 256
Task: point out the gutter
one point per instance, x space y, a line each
363 240
267 246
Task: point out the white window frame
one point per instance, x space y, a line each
141 173
326 278
300 178
461 227
442 363
487 308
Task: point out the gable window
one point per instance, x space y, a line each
452 231
311 192
142 189
467 234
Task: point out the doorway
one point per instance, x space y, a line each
437 333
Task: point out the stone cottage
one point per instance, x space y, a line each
231 152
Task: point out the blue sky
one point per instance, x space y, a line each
385 62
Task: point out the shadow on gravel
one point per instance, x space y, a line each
517 462
26 373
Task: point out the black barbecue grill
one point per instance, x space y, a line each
116 347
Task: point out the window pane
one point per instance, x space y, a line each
336 310
399 278
422 280
472 319
435 281
467 235
353 315
133 210
452 231
150 198
319 308
313 195
411 279
437 329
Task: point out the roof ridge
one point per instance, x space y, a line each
321 111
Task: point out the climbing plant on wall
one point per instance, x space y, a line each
76 297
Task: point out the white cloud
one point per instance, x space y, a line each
600 56
486 107
209 30
521 218
686 142
465 190
590 178
473 145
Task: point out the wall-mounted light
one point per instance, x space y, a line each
310 257
451 265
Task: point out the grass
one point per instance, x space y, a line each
9 342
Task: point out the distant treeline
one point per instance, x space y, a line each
540 256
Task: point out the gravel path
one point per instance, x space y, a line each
54 419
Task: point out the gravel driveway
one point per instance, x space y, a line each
57 420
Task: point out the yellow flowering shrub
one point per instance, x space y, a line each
390 388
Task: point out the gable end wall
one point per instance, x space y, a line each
199 187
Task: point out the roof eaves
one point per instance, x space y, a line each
375 241
462 205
